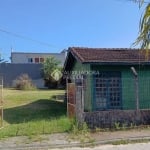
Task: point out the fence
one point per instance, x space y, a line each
71 99
103 101
1 101
10 73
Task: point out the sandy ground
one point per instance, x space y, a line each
137 146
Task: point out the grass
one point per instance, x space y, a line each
34 112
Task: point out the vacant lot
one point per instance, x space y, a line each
34 112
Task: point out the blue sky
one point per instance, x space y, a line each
65 23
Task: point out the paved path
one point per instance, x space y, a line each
137 146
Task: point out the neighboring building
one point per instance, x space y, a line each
23 57
27 63
102 87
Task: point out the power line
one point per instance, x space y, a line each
26 38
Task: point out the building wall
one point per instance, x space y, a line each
108 119
128 85
79 68
11 71
20 57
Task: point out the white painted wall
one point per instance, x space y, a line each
20 57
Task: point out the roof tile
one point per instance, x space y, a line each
110 54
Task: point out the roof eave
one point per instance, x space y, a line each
118 63
70 52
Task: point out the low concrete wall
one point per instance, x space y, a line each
107 119
11 71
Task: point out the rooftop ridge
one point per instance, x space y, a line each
96 48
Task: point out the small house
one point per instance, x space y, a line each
105 86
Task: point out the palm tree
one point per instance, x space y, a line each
143 38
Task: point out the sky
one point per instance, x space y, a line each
50 26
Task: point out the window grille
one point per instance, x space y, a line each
107 90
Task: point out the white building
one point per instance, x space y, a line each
23 57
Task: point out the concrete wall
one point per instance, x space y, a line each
11 71
108 119
128 85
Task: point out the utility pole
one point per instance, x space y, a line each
136 87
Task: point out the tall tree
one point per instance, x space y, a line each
143 38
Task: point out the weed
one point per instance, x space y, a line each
80 132
119 142
124 126
23 82
117 125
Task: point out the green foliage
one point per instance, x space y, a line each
144 32
49 66
79 129
36 127
33 113
80 132
23 82
125 126
143 38
117 126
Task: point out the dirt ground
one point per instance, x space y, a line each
63 140
136 146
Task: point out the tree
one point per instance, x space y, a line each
143 38
51 72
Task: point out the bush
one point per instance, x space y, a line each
23 82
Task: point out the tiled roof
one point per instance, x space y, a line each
110 55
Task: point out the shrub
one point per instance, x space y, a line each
23 82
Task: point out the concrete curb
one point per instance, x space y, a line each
50 146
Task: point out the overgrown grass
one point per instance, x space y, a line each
34 112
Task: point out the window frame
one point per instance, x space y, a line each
107 93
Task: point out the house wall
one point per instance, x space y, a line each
128 85
79 68
144 87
